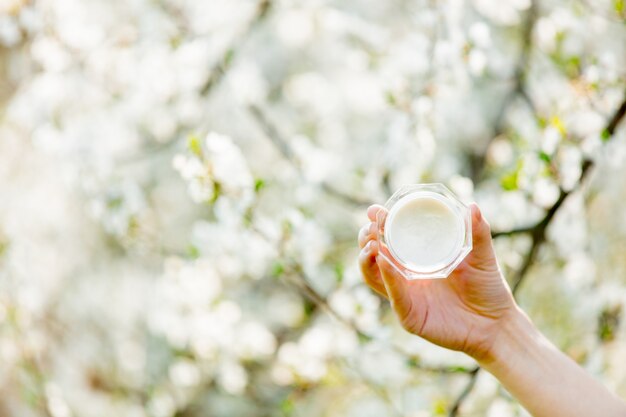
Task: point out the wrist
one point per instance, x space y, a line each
515 337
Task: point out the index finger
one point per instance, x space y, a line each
373 210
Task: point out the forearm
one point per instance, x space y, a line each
543 379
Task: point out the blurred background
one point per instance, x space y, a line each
182 181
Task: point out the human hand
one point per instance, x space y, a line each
463 312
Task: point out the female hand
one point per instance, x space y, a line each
473 311
463 312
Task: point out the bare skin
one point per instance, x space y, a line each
473 311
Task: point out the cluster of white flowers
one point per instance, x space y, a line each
213 168
182 183
307 360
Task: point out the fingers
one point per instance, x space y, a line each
369 246
369 268
367 233
373 210
481 231
396 287
482 255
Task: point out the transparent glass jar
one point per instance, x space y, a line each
425 231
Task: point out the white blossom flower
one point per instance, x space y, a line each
9 31
501 407
184 373
480 34
228 165
295 27
477 62
545 192
232 377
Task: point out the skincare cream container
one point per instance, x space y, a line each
425 231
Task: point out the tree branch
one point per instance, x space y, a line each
225 62
608 132
282 145
518 90
216 74
300 281
518 231
466 391
618 116
297 278
272 134
538 232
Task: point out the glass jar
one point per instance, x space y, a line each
425 231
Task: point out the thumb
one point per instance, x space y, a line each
482 255
395 284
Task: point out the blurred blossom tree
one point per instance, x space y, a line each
182 182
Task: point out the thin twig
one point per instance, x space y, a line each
346 198
225 62
512 232
215 76
616 119
282 145
528 261
466 391
272 133
300 281
538 232
386 181
518 90
538 237
608 132
297 278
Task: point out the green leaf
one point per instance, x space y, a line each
259 184
608 323
217 191
287 407
460 369
509 181
193 252
228 57
542 122
309 307
4 246
605 135
248 217
440 407
176 41
115 202
363 338
412 362
29 396
278 269
195 146
619 5
339 269
545 157
558 124
572 66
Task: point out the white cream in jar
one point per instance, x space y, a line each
424 231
